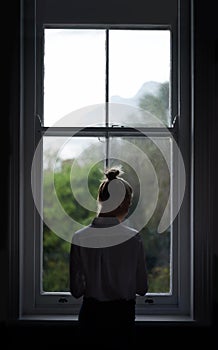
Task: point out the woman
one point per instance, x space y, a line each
107 261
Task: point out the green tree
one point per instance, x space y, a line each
157 105
55 249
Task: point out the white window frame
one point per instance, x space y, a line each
63 305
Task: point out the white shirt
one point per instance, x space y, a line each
107 261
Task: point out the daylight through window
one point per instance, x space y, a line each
102 86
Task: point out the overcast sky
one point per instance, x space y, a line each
74 66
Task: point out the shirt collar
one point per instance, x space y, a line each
105 221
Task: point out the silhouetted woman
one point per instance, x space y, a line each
107 262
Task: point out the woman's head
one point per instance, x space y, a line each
114 194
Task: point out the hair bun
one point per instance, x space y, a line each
112 174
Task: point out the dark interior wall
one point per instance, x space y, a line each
10 103
206 89
206 125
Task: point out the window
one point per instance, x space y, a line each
99 95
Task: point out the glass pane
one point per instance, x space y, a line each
69 165
147 167
139 77
74 76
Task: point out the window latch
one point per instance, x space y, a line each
149 301
117 126
63 300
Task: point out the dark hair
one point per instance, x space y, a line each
116 195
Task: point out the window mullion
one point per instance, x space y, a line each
107 96
107 77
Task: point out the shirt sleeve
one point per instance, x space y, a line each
77 277
141 273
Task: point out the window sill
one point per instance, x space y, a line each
140 319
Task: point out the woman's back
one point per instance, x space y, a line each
111 259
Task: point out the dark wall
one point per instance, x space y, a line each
206 116
10 103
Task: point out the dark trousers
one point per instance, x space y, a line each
107 323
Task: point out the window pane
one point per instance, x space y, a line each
147 167
74 75
139 76
69 164
73 162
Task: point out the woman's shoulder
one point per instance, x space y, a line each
130 229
